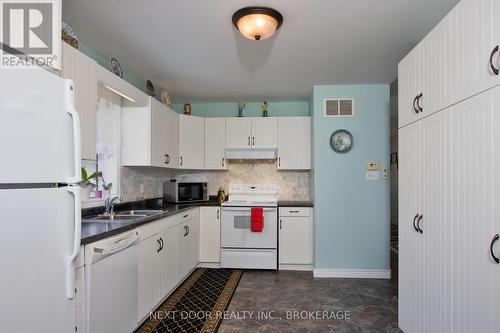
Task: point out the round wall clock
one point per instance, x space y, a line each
341 141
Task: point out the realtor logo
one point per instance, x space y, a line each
29 33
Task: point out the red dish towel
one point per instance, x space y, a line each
256 219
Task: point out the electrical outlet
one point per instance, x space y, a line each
372 166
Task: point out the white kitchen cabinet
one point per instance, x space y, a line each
476 213
251 132
295 236
167 268
294 143
149 135
149 278
191 142
82 70
436 71
264 132
187 235
210 234
172 133
215 143
238 132
410 86
471 45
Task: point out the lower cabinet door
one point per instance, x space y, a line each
295 240
168 261
149 283
209 234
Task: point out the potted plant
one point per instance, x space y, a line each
86 184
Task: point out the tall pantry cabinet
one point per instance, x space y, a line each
449 175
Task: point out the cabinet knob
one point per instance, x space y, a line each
414 107
415 220
492 54
420 109
418 224
492 244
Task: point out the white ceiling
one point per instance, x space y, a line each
191 47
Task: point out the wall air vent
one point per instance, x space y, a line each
342 107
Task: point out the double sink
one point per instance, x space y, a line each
124 216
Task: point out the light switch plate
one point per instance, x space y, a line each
372 175
372 166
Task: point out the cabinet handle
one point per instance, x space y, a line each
279 161
414 107
253 140
249 141
162 244
493 68
167 158
418 102
223 162
186 215
497 260
281 224
415 220
159 246
185 231
293 211
218 212
418 224
180 160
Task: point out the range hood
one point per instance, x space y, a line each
251 154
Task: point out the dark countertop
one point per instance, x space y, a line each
290 203
97 230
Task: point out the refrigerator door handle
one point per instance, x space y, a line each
77 146
70 275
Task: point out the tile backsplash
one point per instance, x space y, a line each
292 185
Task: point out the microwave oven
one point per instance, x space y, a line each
184 192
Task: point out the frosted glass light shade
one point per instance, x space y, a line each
257 23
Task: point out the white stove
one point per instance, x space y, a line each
240 247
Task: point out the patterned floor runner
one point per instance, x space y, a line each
197 306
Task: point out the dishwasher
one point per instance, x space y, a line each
111 280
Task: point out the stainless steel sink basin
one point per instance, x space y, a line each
116 217
140 212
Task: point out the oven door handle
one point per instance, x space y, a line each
247 209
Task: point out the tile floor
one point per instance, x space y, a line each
372 304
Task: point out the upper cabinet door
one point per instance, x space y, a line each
238 132
436 73
471 47
410 87
82 70
294 143
172 136
215 143
158 133
191 142
264 132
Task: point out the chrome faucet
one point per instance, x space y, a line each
109 204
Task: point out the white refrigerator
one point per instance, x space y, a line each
40 208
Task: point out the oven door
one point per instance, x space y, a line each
235 229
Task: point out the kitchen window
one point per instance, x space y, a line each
108 147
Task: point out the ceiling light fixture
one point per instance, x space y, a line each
257 23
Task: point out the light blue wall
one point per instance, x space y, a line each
253 109
351 215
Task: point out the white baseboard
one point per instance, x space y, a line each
294 267
209 264
353 273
